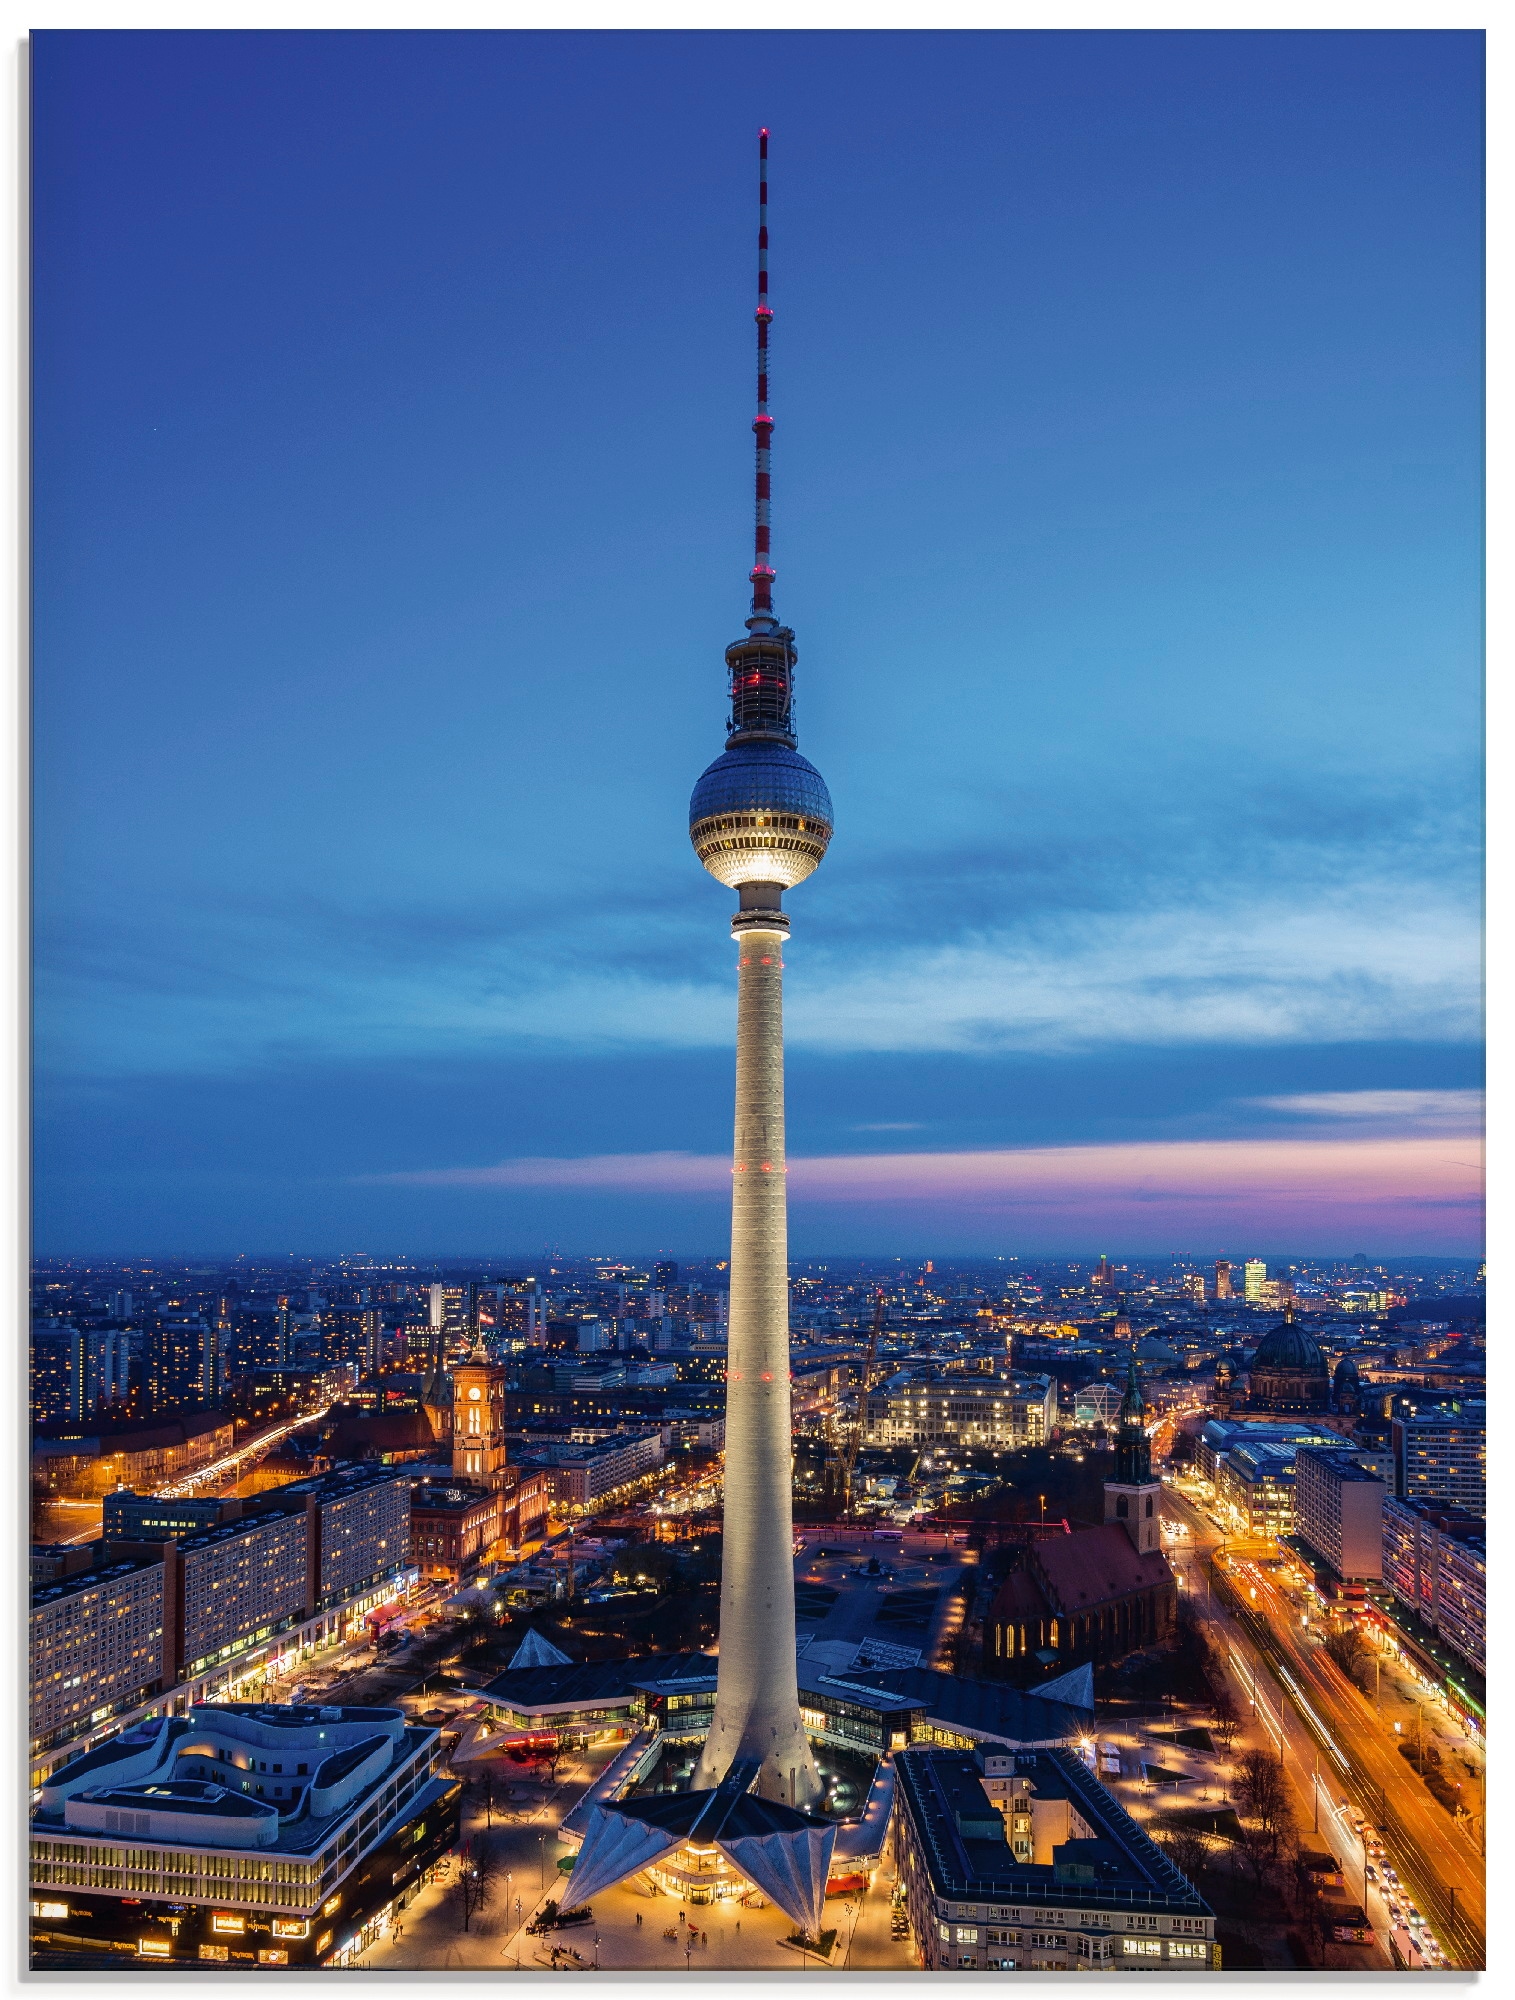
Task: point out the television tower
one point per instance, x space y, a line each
760 820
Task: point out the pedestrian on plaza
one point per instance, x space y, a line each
639 1920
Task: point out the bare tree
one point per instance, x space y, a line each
487 1788
1260 1787
1187 1849
1223 1718
477 1871
1350 1651
1270 1836
1256 1851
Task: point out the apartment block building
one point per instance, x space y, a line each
585 1468
238 1583
1440 1454
360 1527
1338 1512
1435 1564
97 1645
198 1606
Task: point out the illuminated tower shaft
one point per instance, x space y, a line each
757 1709
760 820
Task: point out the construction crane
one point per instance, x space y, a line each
850 1450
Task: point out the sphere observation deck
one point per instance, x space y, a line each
760 813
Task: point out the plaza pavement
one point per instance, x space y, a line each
713 1938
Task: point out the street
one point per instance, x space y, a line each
1334 1745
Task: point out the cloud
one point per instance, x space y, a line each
1288 919
1254 1183
1335 969
1266 971
1450 1111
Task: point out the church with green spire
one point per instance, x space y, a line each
1133 1497
1091 1595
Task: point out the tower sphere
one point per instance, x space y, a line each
760 813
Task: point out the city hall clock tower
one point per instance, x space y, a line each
478 1421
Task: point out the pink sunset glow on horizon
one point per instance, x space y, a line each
1411 1191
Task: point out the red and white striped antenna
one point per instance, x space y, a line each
762 423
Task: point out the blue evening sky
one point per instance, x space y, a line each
392 511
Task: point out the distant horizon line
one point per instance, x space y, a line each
444 1258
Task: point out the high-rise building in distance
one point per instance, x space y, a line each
1254 1277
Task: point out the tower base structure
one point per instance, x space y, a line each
783 1853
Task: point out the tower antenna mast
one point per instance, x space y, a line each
762 423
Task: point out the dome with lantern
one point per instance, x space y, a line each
1288 1372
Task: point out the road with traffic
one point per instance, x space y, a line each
1342 1761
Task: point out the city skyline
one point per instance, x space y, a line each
1137 541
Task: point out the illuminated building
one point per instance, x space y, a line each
97 1646
1439 1454
1435 1564
1027 1864
1254 1277
96 1458
1287 1374
238 1835
1004 1413
1338 1511
1098 1594
451 1526
478 1421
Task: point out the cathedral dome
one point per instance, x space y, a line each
1288 1349
1346 1388
1288 1372
1150 1349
